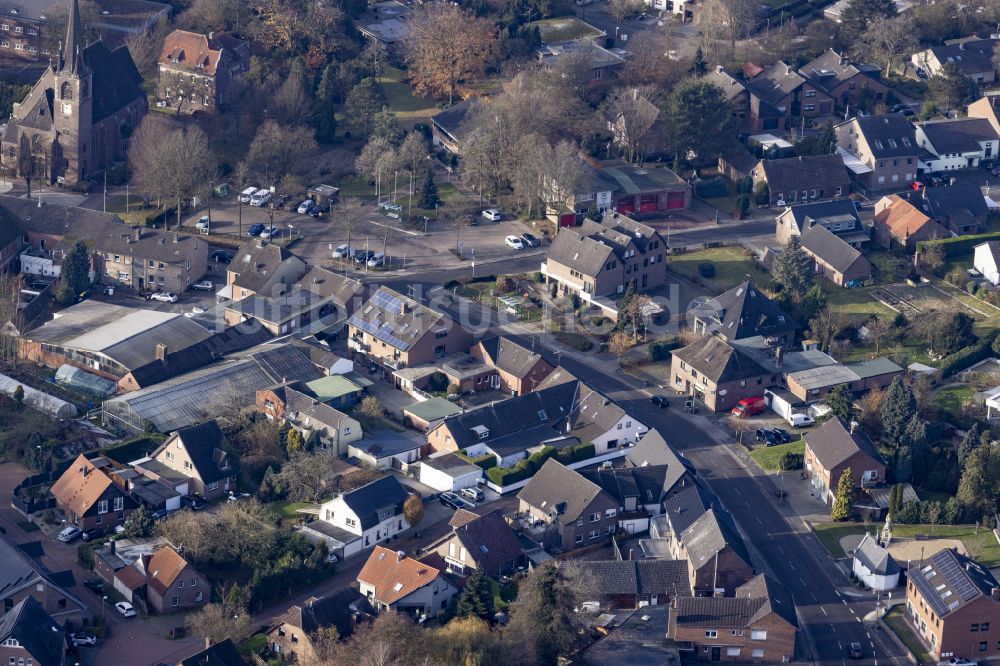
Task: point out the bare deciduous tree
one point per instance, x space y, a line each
308 476
218 622
886 40
620 10
280 149
728 20
631 113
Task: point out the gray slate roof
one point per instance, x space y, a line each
719 361
731 86
875 558
223 653
809 172
207 448
36 631
971 57
509 356
941 201
255 263
303 408
653 449
687 505
369 498
711 533
573 249
804 215
831 249
775 83
745 312
639 577
331 610
559 491
752 602
397 320
646 484
958 135
830 69
948 580
833 443
490 540
889 136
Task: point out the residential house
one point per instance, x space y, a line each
874 566
839 217
395 331
200 455
600 259
386 450
718 559
972 57
802 179
449 128
961 208
484 542
23 577
634 583
653 449
899 221
684 506
779 96
831 449
986 260
718 373
223 653
79 115
29 635
361 518
23 26
291 637
428 414
344 293
307 411
881 151
390 579
88 496
835 259
758 624
449 472
735 91
386 22
744 312
850 84
167 582
297 311
957 143
987 107
577 512
602 63
638 637
261 268
618 187
518 369
646 120
196 72
953 604
640 492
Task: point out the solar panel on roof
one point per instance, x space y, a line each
387 301
379 333
952 572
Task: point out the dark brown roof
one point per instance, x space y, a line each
831 249
560 492
256 262
752 602
888 136
831 69
744 312
775 83
490 541
719 361
809 172
639 577
507 355
331 610
832 443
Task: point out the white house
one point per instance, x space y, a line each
361 518
986 260
449 472
957 143
390 579
874 566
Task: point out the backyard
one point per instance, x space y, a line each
769 457
980 542
408 106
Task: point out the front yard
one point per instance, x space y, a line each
897 622
980 542
769 457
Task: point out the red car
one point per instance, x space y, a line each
749 406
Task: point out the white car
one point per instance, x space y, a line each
260 198
514 242
246 194
801 420
342 252
269 233
164 296
202 222
204 285
376 260
306 206
125 608
492 214
69 534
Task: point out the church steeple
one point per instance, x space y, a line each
69 57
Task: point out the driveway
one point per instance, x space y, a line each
131 641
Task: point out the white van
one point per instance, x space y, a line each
260 197
246 194
801 420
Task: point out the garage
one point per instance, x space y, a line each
626 208
648 203
675 200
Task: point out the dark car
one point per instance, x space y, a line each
94 584
530 240
782 434
766 436
255 229
222 256
92 533
660 401
856 651
452 500
361 257
195 502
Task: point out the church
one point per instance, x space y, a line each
79 116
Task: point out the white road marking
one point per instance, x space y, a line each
852 611
824 611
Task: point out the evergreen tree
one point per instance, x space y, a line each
828 140
840 403
76 268
700 66
268 487
364 101
477 597
386 125
895 500
18 396
845 497
898 406
325 119
792 268
915 437
813 301
904 464
429 192
139 524
980 484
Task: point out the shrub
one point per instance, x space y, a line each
711 187
659 350
960 245
583 452
968 356
453 389
706 269
485 462
790 461
971 287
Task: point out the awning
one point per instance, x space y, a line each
992 205
853 162
226 292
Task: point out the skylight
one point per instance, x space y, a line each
397 587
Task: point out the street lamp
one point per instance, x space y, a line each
104 608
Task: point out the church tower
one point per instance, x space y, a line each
72 107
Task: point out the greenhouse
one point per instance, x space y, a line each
43 402
82 381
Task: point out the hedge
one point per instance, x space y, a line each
960 245
486 461
524 469
969 356
572 454
711 187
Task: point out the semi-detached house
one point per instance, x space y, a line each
881 151
361 518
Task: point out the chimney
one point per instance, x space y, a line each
720 69
400 554
161 351
844 60
995 592
138 233
114 546
175 238
788 70
208 642
211 36
854 426
310 601
779 355
260 242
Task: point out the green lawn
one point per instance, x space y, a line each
287 510
950 398
769 457
983 546
502 595
897 622
403 101
731 263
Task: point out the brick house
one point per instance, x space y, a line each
196 72
519 370
297 405
167 582
779 95
629 583
148 260
200 455
735 91
578 512
839 217
484 542
390 579
22 577
744 312
718 559
262 268
899 221
718 373
29 635
21 28
291 636
758 624
848 83
89 497
953 605
833 258
395 331
833 448
881 151
802 179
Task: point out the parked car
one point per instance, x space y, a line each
195 502
125 608
474 494
361 257
95 585
204 285
268 234
782 434
84 638
222 256
306 206
164 297
660 401
342 252
766 436
856 651
255 229
749 406
92 533
202 222
261 198
530 240
452 500
514 242
70 534
376 260
246 194
492 214
801 420
160 514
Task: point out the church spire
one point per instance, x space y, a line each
70 55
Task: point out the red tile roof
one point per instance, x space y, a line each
81 485
394 577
